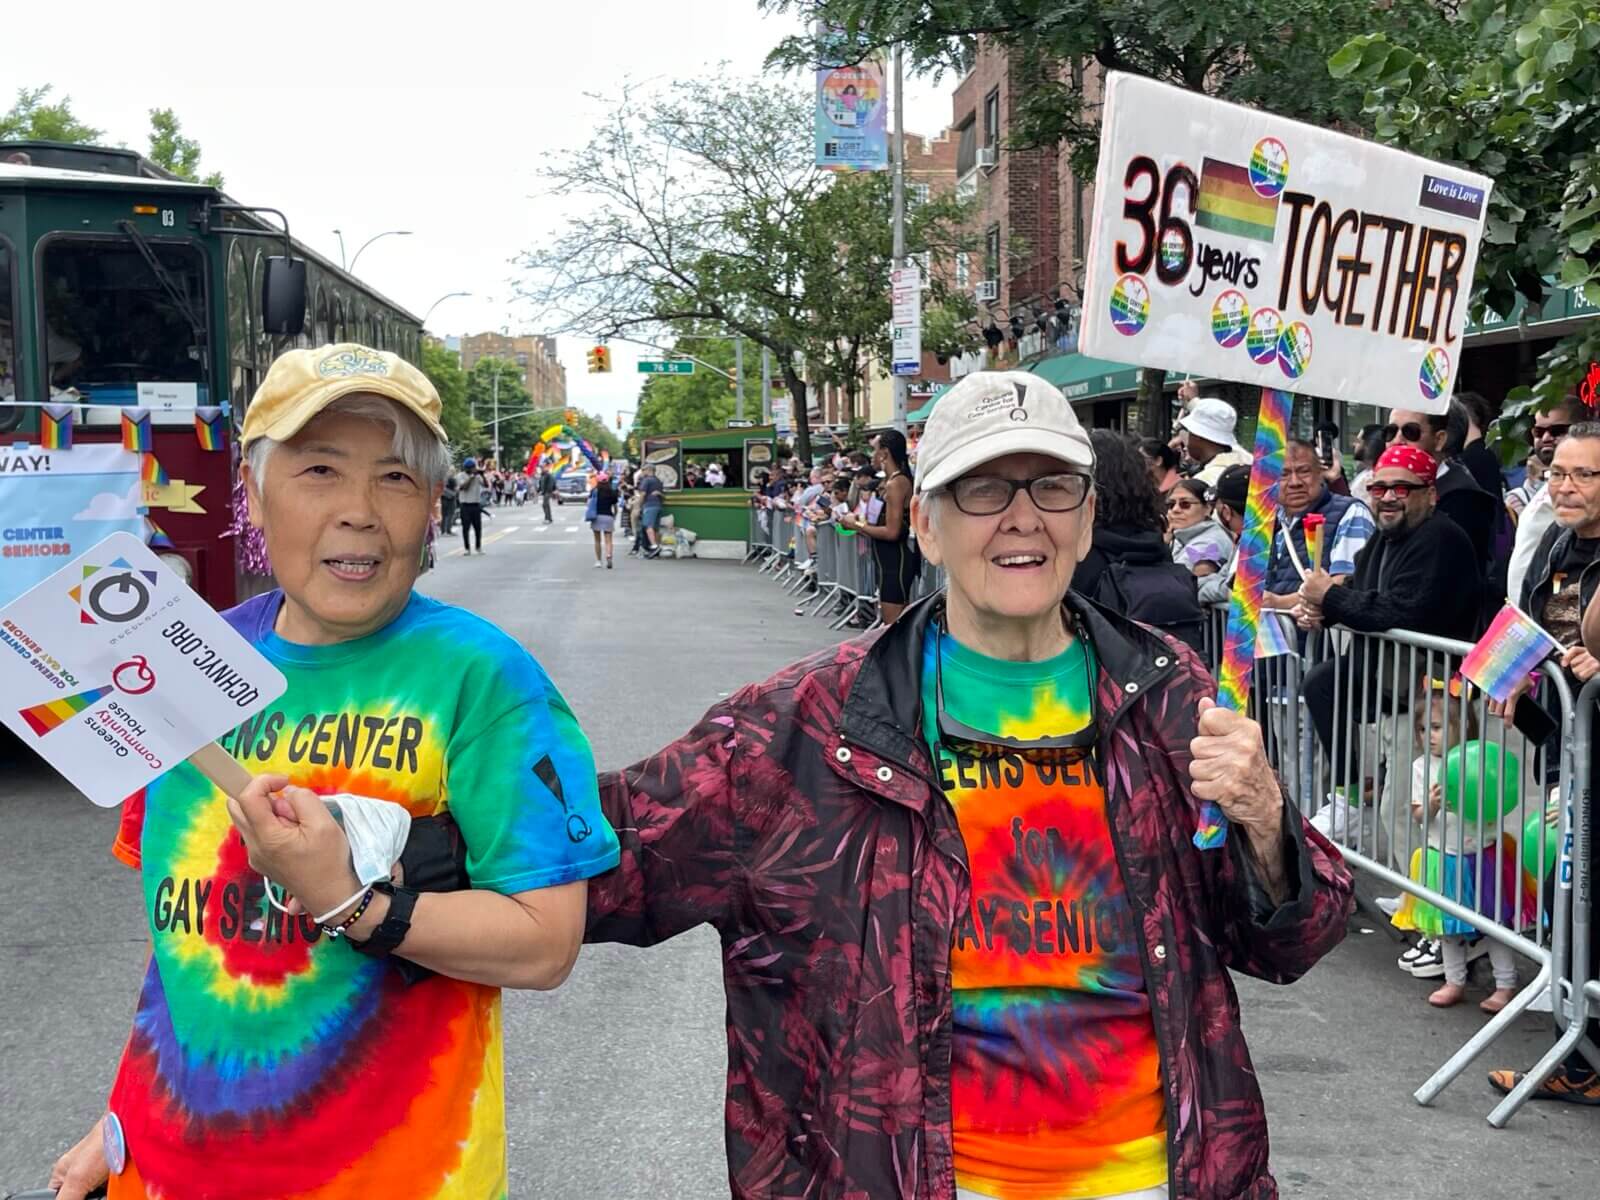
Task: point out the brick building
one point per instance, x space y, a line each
538 367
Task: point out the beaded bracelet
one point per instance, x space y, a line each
334 931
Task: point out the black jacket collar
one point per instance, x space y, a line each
884 708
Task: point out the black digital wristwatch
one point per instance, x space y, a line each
386 938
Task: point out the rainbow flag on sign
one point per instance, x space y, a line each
1228 204
55 426
208 428
137 437
42 718
151 471
1508 652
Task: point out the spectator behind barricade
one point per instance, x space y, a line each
1326 440
805 511
1209 428
1410 577
1163 461
715 475
1128 568
1229 499
1369 444
1199 542
1452 863
1549 428
1480 514
1482 462
1348 526
1519 497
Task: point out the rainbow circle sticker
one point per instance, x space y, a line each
1130 305
1435 373
1294 349
1172 251
1261 335
1230 317
1269 167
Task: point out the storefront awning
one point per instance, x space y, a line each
921 414
1083 378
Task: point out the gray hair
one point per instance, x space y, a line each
1583 430
414 443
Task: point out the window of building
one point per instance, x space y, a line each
112 323
991 253
991 119
919 193
925 265
963 270
966 146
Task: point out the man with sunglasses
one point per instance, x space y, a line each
1408 577
969 944
1538 515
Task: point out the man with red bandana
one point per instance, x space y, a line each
1412 576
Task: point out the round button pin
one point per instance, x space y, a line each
113 1144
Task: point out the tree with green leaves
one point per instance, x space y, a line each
33 118
1518 106
172 151
715 215
1268 53
443 369
704 400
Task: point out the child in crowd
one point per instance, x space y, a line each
1455 865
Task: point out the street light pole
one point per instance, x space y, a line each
340 236
439 301
738 378
497 416
386 233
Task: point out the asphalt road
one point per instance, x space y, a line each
615 1081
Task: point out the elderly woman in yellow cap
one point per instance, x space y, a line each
279 1053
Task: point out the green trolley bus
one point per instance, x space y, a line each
115 276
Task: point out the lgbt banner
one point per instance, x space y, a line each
55 504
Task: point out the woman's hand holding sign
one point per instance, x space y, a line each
1229 767
293 840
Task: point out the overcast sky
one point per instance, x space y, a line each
365 117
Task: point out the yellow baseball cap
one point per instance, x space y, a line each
301 383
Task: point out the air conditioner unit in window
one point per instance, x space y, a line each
988 291
988 156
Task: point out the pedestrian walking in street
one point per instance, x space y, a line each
471 491
653 498
547 491
448 500
602 517
957 855
280 1054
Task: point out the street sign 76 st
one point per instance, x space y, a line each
666 366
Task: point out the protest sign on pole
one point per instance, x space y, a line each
114 672
1237 244
55 504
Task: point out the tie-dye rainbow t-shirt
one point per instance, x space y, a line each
1055 1072
269 1062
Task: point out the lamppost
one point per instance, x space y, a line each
439 301
351 265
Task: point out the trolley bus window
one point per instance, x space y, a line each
8 338
114 324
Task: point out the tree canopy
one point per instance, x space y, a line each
1518 106
34 118
174 152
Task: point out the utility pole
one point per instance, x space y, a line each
902 385
496 416
766 386
738 377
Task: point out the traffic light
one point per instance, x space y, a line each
600 360
570 417
619 422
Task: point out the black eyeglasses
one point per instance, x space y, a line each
986 495
1398 490
1410 431
977 743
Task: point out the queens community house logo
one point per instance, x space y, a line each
114 594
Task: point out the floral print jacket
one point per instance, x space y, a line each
802 819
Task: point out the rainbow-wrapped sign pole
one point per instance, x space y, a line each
1255 547
1312 523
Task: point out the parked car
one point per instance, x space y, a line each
574 486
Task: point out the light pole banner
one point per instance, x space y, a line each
852 114
1233 243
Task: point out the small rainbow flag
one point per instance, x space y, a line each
208 428
1272 635
1507 653
156 537
42 718
1228 204
137 437
151 471
55 426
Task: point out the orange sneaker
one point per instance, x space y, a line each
1560 1086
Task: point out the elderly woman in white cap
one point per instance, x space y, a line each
277 1053
969 943
1209 438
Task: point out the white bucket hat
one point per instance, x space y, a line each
1214 420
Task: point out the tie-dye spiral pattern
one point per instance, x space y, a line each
1055 1071
268 1062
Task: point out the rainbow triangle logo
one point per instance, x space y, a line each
42 718
89 569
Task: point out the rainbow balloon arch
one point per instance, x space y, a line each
565 446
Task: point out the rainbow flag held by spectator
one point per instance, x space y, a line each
137 437
55 426
1509 651
208 428
1274 635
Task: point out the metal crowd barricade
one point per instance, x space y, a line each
758 544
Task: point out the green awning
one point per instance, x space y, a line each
1083 378
914 418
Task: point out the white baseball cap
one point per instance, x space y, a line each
1214 420
990 414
